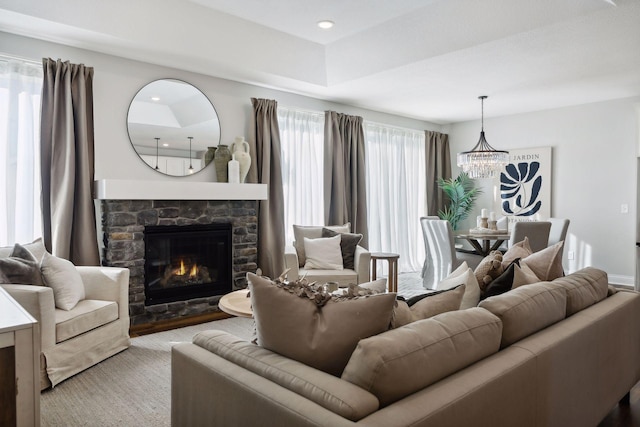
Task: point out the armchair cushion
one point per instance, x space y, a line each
20 268
312 232
61 276
85 316
348 245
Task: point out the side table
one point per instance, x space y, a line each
392 279
236 303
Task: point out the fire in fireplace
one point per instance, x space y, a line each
186 262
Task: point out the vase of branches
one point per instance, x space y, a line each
462 195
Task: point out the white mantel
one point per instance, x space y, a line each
125 189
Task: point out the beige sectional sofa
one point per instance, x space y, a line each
559 353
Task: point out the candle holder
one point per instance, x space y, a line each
484 222
493 225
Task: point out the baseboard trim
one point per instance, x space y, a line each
166 325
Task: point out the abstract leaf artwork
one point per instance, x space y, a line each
524 183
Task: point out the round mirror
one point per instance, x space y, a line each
173 127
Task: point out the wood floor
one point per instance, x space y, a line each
625 415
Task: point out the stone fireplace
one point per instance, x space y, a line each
123 226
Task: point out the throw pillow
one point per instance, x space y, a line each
348 245
428 305
500 284
523 275
489 268
20 268
463 275
377 286
312 232
520 250
61 276
547 263
312 326
323 253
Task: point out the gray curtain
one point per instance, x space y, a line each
267 169
67 163
345 191
438 165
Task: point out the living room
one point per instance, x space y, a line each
594 139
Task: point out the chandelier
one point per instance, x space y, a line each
483 161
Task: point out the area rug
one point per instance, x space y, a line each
132 388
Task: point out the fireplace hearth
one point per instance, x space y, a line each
125 224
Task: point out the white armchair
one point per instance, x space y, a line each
95 329
361 272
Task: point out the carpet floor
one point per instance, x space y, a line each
133 388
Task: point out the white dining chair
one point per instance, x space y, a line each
442 257
558 232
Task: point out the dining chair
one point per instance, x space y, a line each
536 231
558 232
442 257
426 246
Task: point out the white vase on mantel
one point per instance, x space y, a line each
240 152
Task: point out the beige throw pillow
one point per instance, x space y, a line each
524 276
61 276
323 253
547 263
463 275
519 250
309 327
312 232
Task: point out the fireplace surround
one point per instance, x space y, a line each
123 226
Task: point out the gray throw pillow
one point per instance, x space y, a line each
348 246
20 268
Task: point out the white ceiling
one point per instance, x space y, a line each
425 59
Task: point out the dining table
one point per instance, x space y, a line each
483 242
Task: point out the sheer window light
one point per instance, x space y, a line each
20 94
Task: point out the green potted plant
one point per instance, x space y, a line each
462 195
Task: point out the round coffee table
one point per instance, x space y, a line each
236 303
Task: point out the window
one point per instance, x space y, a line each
20 93
396 192
302 140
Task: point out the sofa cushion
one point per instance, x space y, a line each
547 263
323 253
527 309
315 328
20 268
584 288
348 245
326 390
399 362
61 276
463 275
312 232
428 305
85 316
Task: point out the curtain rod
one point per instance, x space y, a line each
7 56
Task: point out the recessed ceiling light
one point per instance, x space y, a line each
155 98
165 145
326 24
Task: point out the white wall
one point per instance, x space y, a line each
117 80
594 150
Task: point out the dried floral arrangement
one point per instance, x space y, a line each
316 291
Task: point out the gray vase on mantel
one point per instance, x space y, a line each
221 158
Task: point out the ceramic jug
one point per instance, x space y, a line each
240 152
